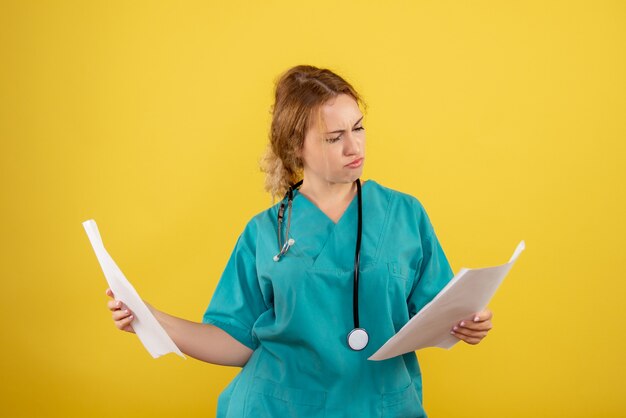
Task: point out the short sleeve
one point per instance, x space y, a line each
238 301
434 271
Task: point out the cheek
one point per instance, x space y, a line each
308 153
315 158
336 155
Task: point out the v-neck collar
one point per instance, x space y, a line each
329 245
309 204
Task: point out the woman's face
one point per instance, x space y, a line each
334 151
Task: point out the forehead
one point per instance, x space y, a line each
340 112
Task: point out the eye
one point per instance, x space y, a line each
337 138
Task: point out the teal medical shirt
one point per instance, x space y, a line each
296 313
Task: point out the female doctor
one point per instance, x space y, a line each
318 282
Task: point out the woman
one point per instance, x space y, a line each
318 282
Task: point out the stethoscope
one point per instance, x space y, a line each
358 337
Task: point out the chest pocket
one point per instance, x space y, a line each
269 399
403 274
399 284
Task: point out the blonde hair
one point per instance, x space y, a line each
300 93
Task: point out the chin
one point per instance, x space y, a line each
346 178
357 174
352 178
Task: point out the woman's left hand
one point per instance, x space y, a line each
474 329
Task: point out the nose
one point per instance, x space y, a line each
351 144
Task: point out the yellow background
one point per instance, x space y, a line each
506 119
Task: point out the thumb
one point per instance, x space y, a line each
483 315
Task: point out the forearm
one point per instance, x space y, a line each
204 342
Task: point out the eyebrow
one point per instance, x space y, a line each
341 130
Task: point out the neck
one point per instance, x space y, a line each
325 194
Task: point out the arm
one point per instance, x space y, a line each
204 342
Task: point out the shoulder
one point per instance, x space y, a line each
265 217
262 223
395 197
404 209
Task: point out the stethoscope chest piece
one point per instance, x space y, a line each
358 339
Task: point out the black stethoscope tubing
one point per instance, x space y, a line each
357 257
359 333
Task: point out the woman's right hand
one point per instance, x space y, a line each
205 342
122 316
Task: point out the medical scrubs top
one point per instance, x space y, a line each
296 313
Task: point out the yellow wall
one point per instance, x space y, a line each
506 119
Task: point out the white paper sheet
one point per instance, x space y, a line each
146 326
467 293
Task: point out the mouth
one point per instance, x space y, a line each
356 163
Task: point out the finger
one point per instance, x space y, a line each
109 293
121 314
481 316
124 324
114 305
471 340
467 339
475 326
468 333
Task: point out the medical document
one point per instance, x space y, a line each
146 326
469 292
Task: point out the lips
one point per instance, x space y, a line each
356 163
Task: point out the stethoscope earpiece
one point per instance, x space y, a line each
284 249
